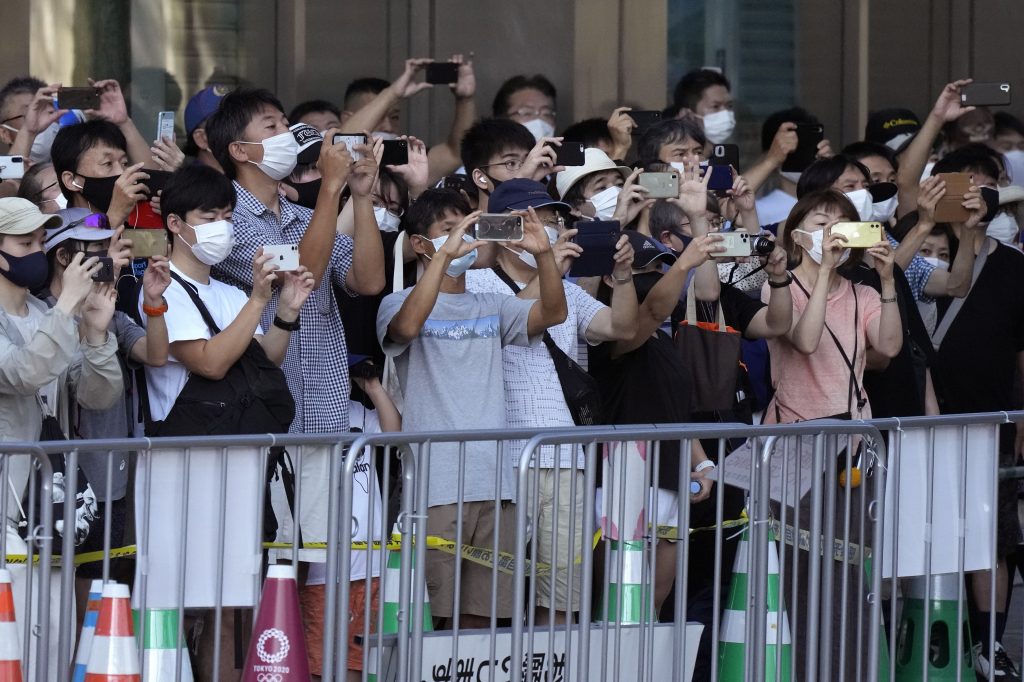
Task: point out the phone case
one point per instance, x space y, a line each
808 137
106 271
725 155
659 185
570 154
165 125
735 244
644 120
147 243
441 73
396 153
985 95
949 209
12 167
721 178
859 235
351 141
499 227
286 256
78 98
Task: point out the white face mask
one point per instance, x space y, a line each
927 170
384 136
815 252
937 263
214 241
540 128
280 154
883 211
861 200
386 220
605 201
1004 228
678 165
60 200
457 268
1015 166
552 234
40 152
792 176
525 256
719 125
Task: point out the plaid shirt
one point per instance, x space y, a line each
316 364
918 272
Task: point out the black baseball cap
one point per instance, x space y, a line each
520 194
647 251
894 128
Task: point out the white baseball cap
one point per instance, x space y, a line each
594 161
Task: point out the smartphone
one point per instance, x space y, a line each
12 167
442 73
458 181
570 154
286 256
743 245
365 369
859 235
949 209
499 227
351 141
660 185
165 125
396 153
78 98
808 136
147 242
985 95
157 180
106 271
644 120
721 178
598 239
725 155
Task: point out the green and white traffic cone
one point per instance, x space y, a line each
732 642
940 631
159 641
625 578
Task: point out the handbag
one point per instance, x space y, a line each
711 353
582 395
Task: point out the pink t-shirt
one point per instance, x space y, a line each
818 385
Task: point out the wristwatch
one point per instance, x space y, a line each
781 285
287 326
623 280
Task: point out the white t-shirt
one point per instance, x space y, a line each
185 323
365 491
774 207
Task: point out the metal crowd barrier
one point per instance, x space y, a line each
825 557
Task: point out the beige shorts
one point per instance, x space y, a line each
478 521
565 526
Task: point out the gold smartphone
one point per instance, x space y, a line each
859 235
147 243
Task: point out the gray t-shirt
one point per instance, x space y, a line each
451 377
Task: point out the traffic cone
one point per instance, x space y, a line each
159 641
627 578
10 657
391 596
92 614
278 645
732 649
940 631
114 656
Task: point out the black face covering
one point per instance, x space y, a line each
98 191
308 192
494 183
991 197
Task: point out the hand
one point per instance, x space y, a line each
129 189
631 201
41 114
363 174
623 259
455 246
824 150
264 274
367 385
884 257
741 195
295 289
76 282
167 155
977 207
156 280
699 251
947 106
465 87
540 162
335 163
831 249
693 193
98 311
112 104
706 484
535 239
784 143
775 264
404 86
932 189
621 125
566 251
416 172
154 202
119 251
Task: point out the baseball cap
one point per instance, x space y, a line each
202 104
594 160
80 224
309 139
647 251
894 128
520 194
21 216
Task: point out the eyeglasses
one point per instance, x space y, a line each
393 208
531 112
714 221
512 165
12 118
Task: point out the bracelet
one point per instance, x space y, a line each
625 279
706 464
155 312
287 326
783 284
889 300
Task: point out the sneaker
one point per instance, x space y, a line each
1002 666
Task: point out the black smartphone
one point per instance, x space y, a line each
808 136
396 153
157 180
442 73
725 155
570 154
598 239
721 178
644 120
458 181
106 271
985 95
365 369
78 98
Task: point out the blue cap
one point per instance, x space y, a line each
520 194
202 104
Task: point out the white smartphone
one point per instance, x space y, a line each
12 167
286 256
165 125
351 141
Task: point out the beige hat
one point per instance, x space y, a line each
21 216
1010 194
595 160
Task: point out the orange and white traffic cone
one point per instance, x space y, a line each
10 657
115 656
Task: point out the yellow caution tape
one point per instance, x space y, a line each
850 552
83 558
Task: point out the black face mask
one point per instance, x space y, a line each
97 191
494 183
308 192
991 197
29 272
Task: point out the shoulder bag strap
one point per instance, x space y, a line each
194 295
954 307
691 308
549 342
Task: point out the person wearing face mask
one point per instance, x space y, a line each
28 121
52 359
935 250
39 185
495 150
534 397
602 189
198 203
302 186
1008 140
439 329
199 108
706 94
530 101
1005 226
677 142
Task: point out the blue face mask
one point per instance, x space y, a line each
457 268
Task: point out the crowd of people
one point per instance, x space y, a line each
385 265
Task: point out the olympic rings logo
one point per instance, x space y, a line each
269 677
276 657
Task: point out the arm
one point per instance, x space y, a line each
957 282
39 117
387 414
97 378
620 127
366 276
805 334
885 334
777 318
444 158
317 242
784 142
617 321
551 309
742 197
295 289
693 199
932 189
129 189
369 116
114 109
152 349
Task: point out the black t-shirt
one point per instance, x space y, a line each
975 366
